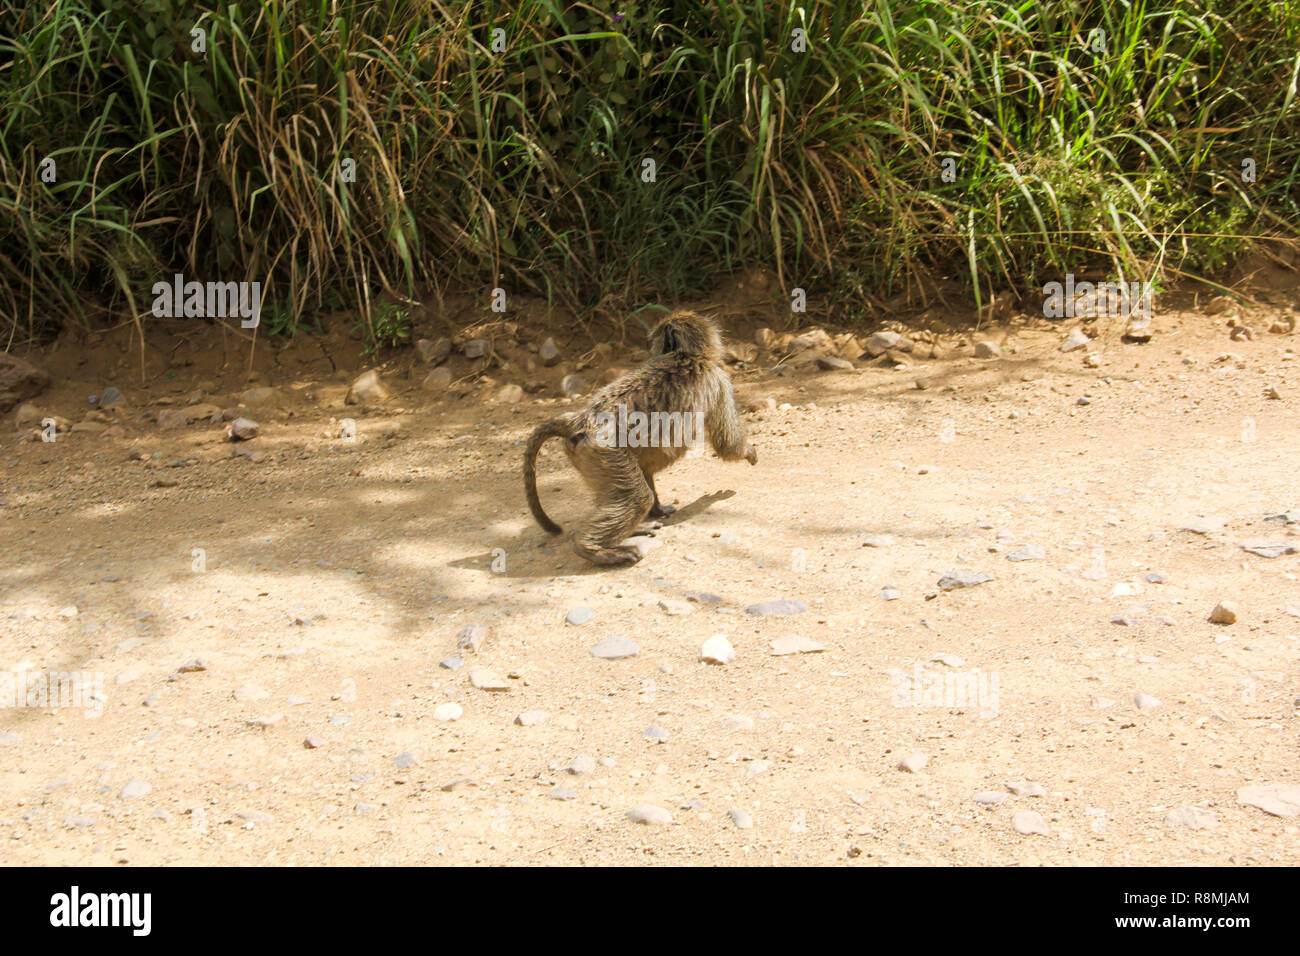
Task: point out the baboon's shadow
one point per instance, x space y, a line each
697 507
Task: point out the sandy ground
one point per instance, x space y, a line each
320 587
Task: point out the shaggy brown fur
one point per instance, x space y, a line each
683 375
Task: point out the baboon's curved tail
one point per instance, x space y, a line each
557 427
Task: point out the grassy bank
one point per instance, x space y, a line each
334 151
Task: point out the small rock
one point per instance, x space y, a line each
193 665
579 616
477 348
717 650
484 678
581 764
832 363
795 644
914 763
437 380
572 385
135 787
562 793
675 607
549 353
110 397
450 663
448 711
990 797
878 541
1027 823
367 389
987 350
650 815
1076 340
471 637
881 342
405 760
1145 701
242 429
250 692
615 648
1280 800
1030 552
509 395
1194 818
1027 788
1270 549
313 742
960 578
741 819
657 734
781 608
434 352
890 594
1225 612
530 717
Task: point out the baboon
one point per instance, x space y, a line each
683 377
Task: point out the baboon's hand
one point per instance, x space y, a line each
751 455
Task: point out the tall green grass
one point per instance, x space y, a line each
522 168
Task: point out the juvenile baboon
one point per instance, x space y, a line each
683 379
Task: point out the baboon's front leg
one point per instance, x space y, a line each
726 434
657 510
623 498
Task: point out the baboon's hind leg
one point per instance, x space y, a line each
622 500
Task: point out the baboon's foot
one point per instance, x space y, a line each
618 554
647 528
661 511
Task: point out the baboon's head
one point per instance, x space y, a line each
689 334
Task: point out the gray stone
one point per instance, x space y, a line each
795 644
650 815
1027 823
471 637
961 578
832 363
781 608
990 797
451 663
135 787
1280 800
367 389
477 348
434 352
914 763
1145 701
405 760
1030 552
579 616
1075 340
741 819
530 717
1194 818
657 734
581 764
484 678
110 397
549 353
572 385
1269 549
615 647
1027 788
242 429
562 793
